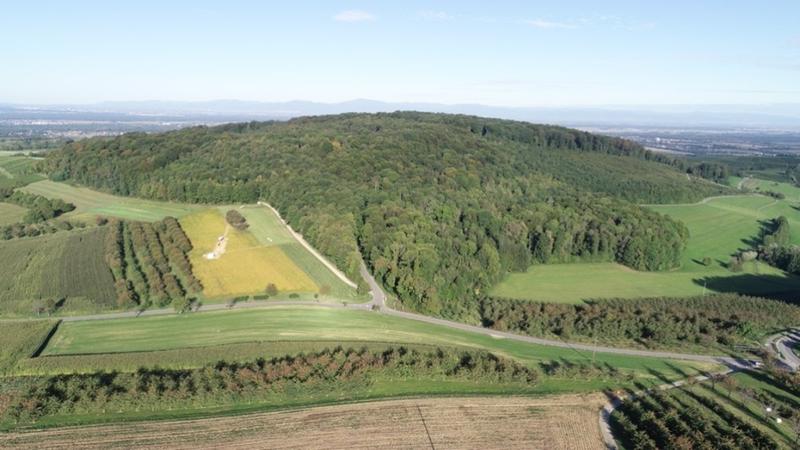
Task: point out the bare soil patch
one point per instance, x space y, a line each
219 246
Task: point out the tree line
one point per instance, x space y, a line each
776 248
39 208
714 320
21 230
440 206
149 263
259 379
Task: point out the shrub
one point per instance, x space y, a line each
735 264
236 220
260 379
718 319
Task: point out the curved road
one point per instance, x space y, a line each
379 300
378 303
782 346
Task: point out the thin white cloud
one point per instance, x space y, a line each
611 22
435 16
354 15
549 25
617 22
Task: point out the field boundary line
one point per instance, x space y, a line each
428 433
701 202
46 340
299 238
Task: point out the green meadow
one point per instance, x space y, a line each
791 192
92 203
719 227
268 229
282 324
10 213
17 170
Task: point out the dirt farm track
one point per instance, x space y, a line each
558 422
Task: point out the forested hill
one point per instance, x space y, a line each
440 205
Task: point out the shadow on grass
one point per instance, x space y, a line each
785 399
743 408
775 383
658 375
766 226
777 287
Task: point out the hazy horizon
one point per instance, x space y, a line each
776 117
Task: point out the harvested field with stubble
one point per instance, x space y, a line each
558 422
246 266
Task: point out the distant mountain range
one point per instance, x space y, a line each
778 116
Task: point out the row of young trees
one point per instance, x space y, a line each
440 206
776 248
149 262
259 380
718 172
39 208
661 420
21 230
777 233
788 380
717 320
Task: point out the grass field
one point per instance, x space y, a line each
19 339
200 334
265 253
181 358
92 203
791 192
10 213
311 324
552 422
269 230
246 266
17 170
718 228
57 266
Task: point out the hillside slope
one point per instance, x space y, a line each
439 205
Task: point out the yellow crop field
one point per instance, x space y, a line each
238 264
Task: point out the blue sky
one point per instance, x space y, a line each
499 53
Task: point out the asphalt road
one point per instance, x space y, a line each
782 344
379 299
378 304
779 343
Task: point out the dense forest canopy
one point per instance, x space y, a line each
717 320
439 205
